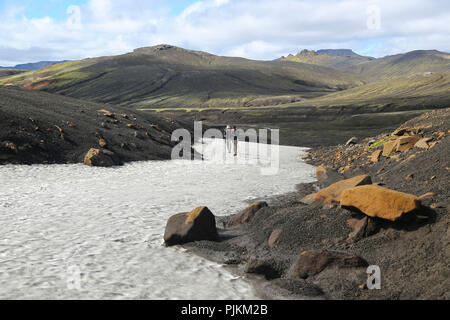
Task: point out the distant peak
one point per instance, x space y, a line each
306 53
338 52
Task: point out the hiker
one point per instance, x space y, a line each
229 138
235 139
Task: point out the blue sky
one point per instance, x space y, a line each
56 9
265 29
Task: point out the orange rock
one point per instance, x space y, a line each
422 143
389 148
309 199
102 143
409 177
376 201
332 194
406 143
427 195
321 173
375 157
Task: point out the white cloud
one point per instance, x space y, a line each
262 29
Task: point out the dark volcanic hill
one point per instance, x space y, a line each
168 76
39 127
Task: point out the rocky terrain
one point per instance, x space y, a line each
38 127
381 201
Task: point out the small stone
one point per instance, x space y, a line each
102 143
275 237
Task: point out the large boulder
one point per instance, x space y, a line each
197 225
99 158
332 194
313 262
376 201
247 215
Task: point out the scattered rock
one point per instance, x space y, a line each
440 135
99 158
352 141
197 225
156 127
313 262
106 113
423 143
375 157
437 205
361 229
427 195
332 194
10 146
321 173
389 148
432 144
247 215
275 237
102 143
406 143
402 131
376 201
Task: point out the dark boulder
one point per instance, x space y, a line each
100 158
247 215
313 262
197 225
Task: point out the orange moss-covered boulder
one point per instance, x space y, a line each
380 202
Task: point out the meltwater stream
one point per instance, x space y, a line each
75 232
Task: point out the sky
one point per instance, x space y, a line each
36 30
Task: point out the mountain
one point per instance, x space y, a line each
33 66
338 52
167 76
342 59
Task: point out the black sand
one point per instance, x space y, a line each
413 254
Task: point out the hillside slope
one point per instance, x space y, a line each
407 64
167 76
430 90
38 127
